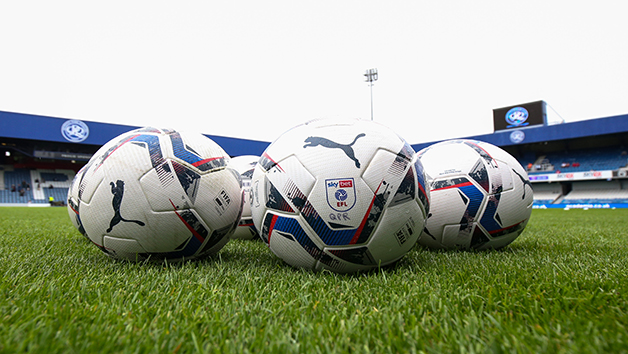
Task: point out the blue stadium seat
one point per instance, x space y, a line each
597 201
59 194
584 160
51 176
542 201
17 178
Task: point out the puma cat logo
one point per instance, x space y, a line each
117 190
525 182
347 148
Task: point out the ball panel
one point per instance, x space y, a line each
183 227
286 237
290 228
406 190
124 248
196 150
258 201
447 159
455 238
406 227
274 198
89 182
222 199
75 215
216 241
91 174
245 230
73 191
356 257
333 262
294 176
115 209
373 176
505 171
287 186
265 226
423 188
162 189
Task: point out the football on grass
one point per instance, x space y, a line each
245 165
481 196
343 195
157 194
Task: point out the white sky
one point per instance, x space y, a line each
253 69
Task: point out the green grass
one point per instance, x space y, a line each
561 287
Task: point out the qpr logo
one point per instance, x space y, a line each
516 117
74 131
517 136
340 193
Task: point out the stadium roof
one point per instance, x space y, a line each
35 127
547 133
42 128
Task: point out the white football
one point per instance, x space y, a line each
157 194
245 165
343 195
481 196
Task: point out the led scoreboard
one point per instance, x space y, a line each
520 116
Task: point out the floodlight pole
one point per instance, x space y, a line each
371 84
371 76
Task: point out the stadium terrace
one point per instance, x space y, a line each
571 165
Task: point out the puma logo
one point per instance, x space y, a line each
117 189
525 182
347 148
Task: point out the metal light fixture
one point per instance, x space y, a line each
371 76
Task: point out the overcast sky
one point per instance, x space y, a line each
253 69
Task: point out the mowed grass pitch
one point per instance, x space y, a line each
560 287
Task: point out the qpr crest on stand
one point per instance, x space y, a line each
340 193
74 131
517 136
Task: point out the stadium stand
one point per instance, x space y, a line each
546 193
582 160
53 176
541 165
24 186
17 186
597 192
53 183
577 163
562 158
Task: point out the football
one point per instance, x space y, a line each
157 194
344 195
481 197
245 165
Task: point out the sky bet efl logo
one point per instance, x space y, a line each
340 193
